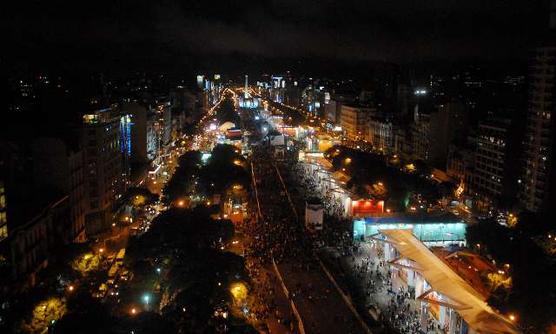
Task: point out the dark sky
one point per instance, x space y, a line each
138 31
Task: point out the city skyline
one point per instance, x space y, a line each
284 167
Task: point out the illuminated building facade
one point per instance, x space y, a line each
429 230
381 134
354 121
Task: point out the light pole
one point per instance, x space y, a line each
146 299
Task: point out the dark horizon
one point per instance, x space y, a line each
121 35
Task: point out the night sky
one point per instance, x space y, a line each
203 32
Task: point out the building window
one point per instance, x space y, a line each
3 232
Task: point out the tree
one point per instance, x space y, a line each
86 316
181 183
139 197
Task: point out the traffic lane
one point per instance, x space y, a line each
321 307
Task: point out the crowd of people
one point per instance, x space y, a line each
277 233
401 314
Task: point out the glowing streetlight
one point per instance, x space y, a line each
70 288
239 291
512 317
133 311
146 298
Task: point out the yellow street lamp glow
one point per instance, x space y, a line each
347 161
239 291
512 317
237 162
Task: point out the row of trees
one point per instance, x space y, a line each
367 170
179 263
225 168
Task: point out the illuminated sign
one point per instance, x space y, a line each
362 208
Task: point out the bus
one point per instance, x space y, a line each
120 256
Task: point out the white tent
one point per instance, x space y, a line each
466 301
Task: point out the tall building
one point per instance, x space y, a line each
448 123
420 136
34 241
38 217
104 178
490 160
381 133
538 143
59 166
138 114
354 121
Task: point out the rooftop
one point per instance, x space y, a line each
469 303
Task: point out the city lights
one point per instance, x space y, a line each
418 168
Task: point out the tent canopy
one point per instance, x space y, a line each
470 304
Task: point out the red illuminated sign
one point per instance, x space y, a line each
366 207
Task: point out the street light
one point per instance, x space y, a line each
146 299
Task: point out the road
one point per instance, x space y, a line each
320 306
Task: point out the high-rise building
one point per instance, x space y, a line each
448 123
59 166
540 128
420 135
332 111
38 217
354 121
105 179
381 133
489 176
138 115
